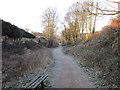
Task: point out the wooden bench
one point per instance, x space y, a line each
36 82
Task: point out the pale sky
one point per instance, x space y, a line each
27 13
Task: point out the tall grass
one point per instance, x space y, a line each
16 65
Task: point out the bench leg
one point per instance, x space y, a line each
42 85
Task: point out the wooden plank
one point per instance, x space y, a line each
31 82
34 83
40 81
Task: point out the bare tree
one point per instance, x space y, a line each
79 19
105 11
49 23
82 16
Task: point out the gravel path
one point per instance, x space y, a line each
66 73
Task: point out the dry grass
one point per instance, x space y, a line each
16 65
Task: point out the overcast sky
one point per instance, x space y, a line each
27 13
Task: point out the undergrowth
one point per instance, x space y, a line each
100 54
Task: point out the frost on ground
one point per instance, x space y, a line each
99 56
21 66
66 73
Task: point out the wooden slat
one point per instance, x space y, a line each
31 82
36 82
40 81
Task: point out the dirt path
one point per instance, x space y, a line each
66 73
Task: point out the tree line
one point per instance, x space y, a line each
81 19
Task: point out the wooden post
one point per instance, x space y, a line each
42 85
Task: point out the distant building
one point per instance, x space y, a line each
38 34
40 37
